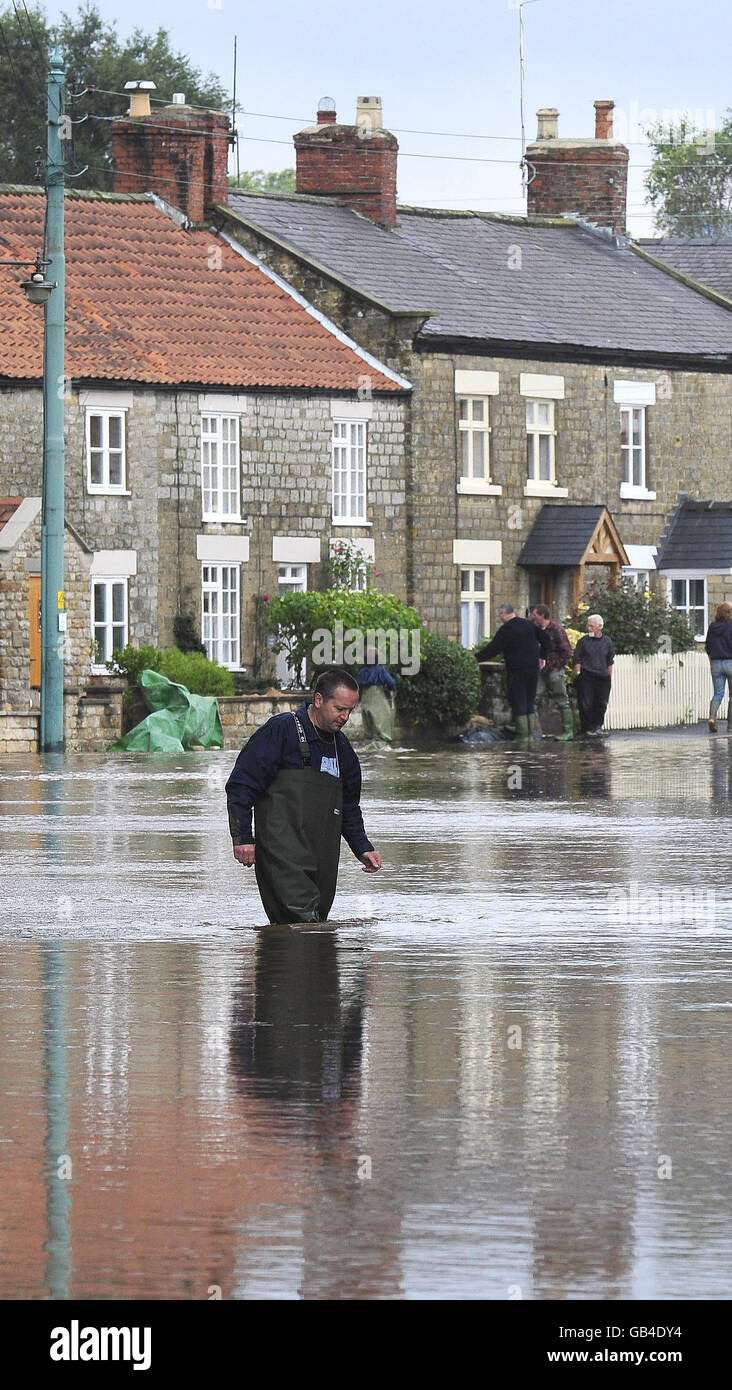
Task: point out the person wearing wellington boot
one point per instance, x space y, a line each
302 779
551 681
525 648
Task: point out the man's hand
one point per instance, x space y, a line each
244 854
542 663
371 860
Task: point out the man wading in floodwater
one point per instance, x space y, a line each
301 777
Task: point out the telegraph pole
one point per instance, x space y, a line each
53 603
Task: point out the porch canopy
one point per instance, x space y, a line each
573 538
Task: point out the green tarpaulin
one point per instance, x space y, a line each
178 720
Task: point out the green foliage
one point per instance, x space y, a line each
637 622
446 689
256 181
191 669
293 619
690 179
186 634
93 55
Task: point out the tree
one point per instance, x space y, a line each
256 181
93 56
690 179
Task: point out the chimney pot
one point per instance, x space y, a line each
604 120
343 161
326 113
179 99
547 123
369 113
139 90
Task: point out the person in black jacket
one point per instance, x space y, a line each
524 648
593 667
300 777
718 645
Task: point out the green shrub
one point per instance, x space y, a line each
191 669
292 620
446 689
637 622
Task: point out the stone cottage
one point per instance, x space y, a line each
221 433
555 365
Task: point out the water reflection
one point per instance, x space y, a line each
293 1036
477 1080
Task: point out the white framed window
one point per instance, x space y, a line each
540 437
293 579
474 595
220 470
220 613
634 397
689 596
474 437
633 445
349 470
640 578
109 617
106 465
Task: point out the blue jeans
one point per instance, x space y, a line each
722 676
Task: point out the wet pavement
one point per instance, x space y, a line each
501 1072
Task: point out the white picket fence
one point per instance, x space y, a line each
656 692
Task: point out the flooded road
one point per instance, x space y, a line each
501 1072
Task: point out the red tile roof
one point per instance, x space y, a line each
151 302
8 505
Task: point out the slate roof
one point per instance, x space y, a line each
699 537
707 262
560 535
149 301
487 278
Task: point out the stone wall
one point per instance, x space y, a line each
93 715
689 429
286 468
19 732
16 567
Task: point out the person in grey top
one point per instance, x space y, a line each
593 668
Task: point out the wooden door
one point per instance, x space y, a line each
34 622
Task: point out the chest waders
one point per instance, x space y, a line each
298 841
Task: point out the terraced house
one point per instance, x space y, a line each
221 433
569 386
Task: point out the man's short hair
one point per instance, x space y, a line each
330 681
542 610
596 618
507 608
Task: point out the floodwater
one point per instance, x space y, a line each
502 1072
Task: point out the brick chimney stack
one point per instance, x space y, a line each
588 178
354 163
179 153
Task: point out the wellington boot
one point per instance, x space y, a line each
532 725
713 707
522 726
567 727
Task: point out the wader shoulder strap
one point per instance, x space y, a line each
302 740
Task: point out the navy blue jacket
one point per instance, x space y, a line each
520 642
276 745
719 640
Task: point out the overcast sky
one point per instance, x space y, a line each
453 66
